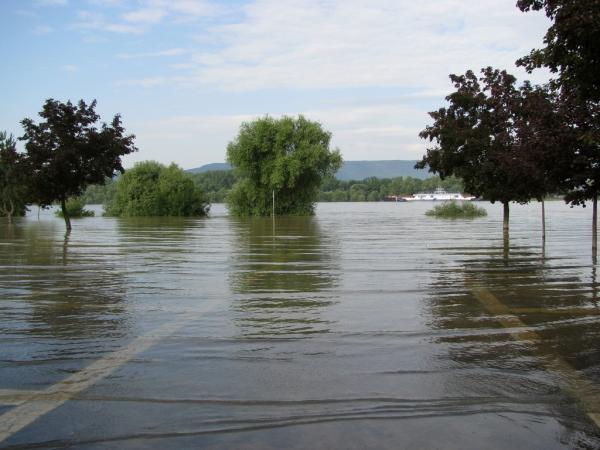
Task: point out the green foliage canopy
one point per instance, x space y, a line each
571 44
13 178
504 142
289 156
98 194
152 189
67 151
76 208
572 53
215 183
476 138
455 210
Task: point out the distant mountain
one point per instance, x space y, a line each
359 170
355 170
209 167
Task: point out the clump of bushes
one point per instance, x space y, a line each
76 208
455 210
152 189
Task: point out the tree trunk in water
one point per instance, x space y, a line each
595 227
543 222
63 206
9 211
506 217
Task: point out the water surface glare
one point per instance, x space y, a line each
369 325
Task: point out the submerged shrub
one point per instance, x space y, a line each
455 210
152 189
76 208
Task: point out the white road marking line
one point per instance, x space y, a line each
580 387
54 396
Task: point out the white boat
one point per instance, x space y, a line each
438 195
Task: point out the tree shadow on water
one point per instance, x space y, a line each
58 288
522 328
285 272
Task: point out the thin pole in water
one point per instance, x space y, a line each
273 202
543 222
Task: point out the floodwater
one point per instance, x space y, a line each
369 325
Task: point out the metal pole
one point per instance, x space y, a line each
273 202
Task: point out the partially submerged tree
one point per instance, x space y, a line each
477 140
571 45
67 152
572 53
76 208
283 159
152 189
13 178
542 141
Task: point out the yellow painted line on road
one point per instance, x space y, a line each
16 396
54 396
576 311
578 386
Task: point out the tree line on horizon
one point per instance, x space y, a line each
216 185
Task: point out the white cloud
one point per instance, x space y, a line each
95 21
52 2
69 68
43 29
169 52
302 45
144 82
145 16
106 2
374 131
194 8
317 44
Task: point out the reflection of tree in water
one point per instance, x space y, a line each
284 274
518 326
59 287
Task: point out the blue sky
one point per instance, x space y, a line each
184 74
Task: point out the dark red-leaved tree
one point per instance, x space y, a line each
70 150
477 139
572 53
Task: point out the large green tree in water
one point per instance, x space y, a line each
69 150
286 158
572 54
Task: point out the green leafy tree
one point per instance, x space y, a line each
542 142
13 178
287 157
67 152
76 208
339 195
98 194
476 139
571 45
358 192
571 53
215 183
152 189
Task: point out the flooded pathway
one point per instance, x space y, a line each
367 326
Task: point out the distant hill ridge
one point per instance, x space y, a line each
355 170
